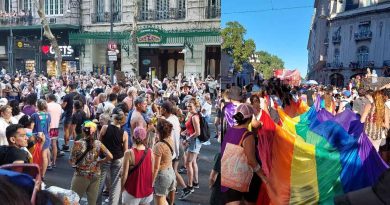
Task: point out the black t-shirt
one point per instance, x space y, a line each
310 100
78 118
68 98
10 154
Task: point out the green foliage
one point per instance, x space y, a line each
235 45
268 63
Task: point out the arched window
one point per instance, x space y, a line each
362 56
336 59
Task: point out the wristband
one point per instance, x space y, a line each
257 168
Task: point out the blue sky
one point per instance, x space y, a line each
283 31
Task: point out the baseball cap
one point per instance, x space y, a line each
139 133
246 110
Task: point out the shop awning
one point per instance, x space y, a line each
88 38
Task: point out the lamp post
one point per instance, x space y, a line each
111 34
10 45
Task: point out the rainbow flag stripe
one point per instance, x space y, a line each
316 156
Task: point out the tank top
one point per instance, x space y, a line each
189 126
113 140
139 183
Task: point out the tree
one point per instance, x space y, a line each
267 63
49 35
235 45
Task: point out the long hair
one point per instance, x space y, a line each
379 101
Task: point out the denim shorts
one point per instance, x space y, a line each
165 182
194 145
128 199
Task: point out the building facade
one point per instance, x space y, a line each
172 36
346 38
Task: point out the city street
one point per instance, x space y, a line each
61 176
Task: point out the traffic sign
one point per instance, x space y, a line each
111 53
112 58
112 46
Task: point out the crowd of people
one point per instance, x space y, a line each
241 110
129 137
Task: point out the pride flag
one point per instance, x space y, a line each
316 156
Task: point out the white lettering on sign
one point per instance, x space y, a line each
65 50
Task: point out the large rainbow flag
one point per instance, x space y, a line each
316 156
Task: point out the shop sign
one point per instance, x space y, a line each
66 51
112 58
146 62
22 44
150 35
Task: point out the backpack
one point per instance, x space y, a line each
204 129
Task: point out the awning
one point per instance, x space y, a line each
88 38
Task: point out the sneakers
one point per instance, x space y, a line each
49 168
195 185
186 192
65 148
60 153
182 170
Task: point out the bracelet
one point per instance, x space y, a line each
257 168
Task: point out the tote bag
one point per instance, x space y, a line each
236 172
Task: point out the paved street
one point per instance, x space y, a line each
62 175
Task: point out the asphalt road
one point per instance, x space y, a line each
61 176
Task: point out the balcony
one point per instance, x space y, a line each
336 39
363 35
106 17
156 15
334 65
386 63
326 41
361 65
213 12
18 21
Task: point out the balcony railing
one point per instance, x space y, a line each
361 65
363 35
213 12
16 20
29 20
105 17
156 15
334 65
386 63
336 39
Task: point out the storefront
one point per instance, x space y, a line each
69 59
160 53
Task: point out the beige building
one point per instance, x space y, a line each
172 36
346 38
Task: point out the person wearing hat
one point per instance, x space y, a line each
234 135
116 141
185 88
85 159
137 171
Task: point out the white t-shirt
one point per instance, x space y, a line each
55 111
206 106
3 127
175 133
387 103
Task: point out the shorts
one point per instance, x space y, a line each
67 120
53 133
128 199
165 182
47 143
251 196
194 145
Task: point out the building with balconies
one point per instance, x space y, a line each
360 32
22 45
172 36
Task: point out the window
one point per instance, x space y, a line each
336 58
162 7
100 11
181 7
8 6
362 56
364 27
54 7
27 5
116 10
144 10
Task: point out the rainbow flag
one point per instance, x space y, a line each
316 156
